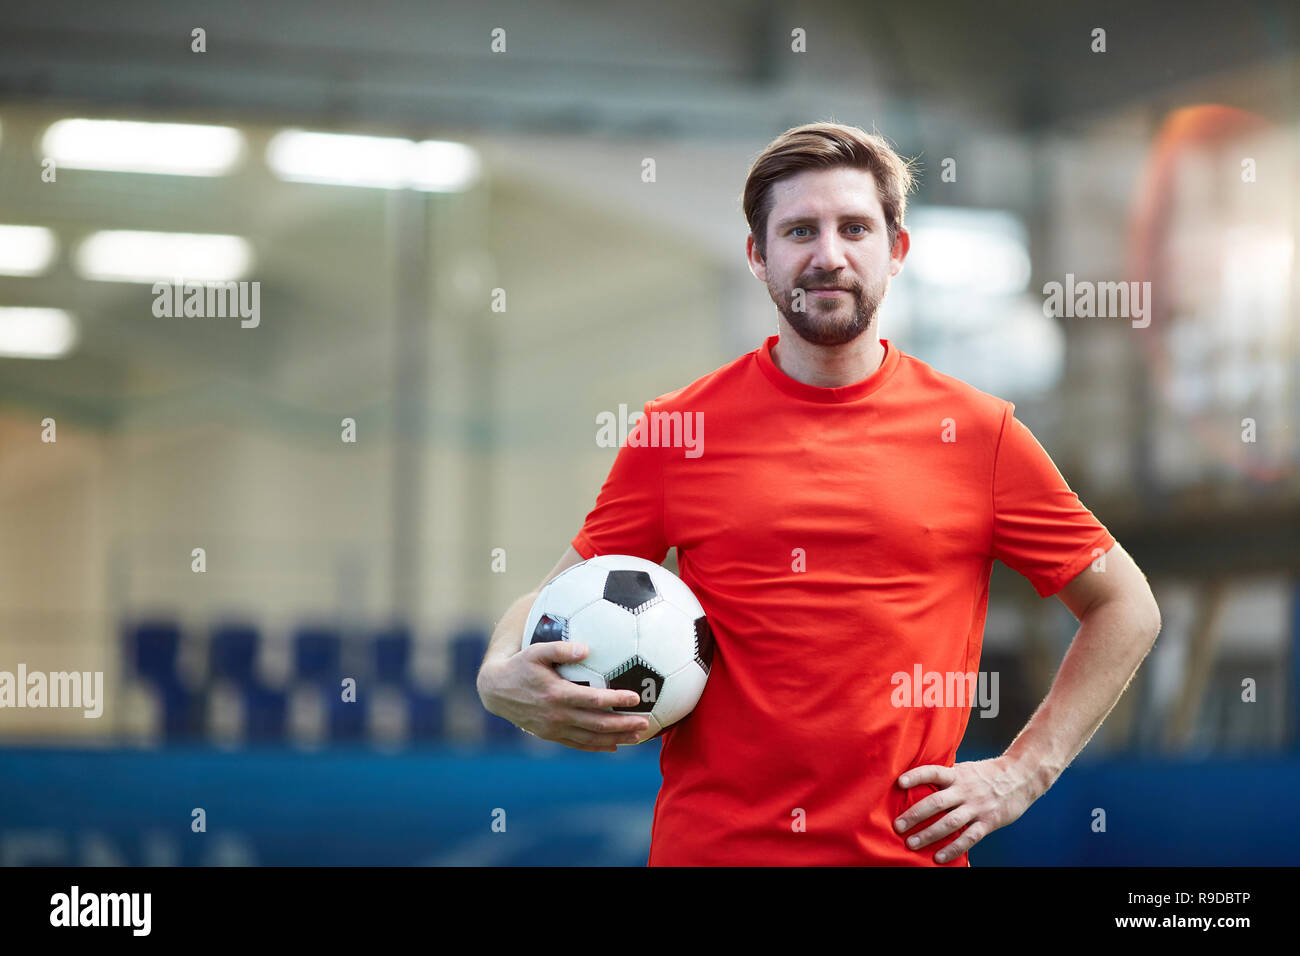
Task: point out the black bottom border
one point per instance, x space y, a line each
336 905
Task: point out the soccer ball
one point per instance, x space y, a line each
644 628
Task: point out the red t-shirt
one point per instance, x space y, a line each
836 538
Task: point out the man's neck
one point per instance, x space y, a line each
828 366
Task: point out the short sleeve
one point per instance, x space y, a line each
1040 528
629 513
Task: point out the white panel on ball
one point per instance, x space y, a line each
681 693
665 637
574 588
610 632
653 728
674 590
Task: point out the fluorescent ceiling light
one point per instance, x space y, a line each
442 166
122 256
26 250
175 149
373 161
36 333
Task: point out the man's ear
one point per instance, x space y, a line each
902 244
754 258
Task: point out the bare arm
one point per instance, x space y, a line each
1118 623
523 687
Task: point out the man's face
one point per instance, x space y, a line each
826 236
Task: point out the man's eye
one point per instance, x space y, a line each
858 225
796 229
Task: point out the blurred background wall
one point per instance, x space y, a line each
472 313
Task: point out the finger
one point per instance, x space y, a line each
926 808
597 698
555 652
928 773
589 749
605 723
974 833
950 824
593 738
562 737
559 729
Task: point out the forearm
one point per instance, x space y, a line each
507 639
1112 641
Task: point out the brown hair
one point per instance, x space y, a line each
826 146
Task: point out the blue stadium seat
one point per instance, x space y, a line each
467 650
182 712
347 720
265 713
427 715
317 656
501 731
152 650
392 656
232 653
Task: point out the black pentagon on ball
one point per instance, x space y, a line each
703 643
633 675
547 629
630 589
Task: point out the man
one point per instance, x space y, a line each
839 530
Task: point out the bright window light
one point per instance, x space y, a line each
175 149
977 250
121 256
373 161
26 250
36 333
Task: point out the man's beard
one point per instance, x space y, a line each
834 321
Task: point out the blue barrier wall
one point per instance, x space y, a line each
359 807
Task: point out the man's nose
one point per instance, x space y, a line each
828 253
